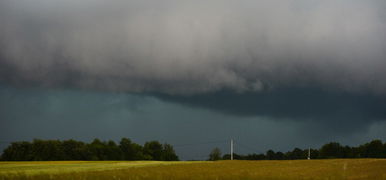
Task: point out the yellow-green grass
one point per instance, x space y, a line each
371 169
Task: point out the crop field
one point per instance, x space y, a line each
201 170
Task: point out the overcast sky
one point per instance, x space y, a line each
271 74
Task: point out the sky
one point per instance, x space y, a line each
269 74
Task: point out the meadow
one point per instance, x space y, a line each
201 170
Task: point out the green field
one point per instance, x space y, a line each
201 170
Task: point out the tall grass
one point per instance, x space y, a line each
371 169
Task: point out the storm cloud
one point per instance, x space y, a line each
271 73
303 103
28 113
194 47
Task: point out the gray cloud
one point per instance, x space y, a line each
190 47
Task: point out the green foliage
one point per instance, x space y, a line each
298 154
255 156
51 150
154 149
18 151
74 150
270 155
373 149
47 150
168 153
127 150
331 150
215 154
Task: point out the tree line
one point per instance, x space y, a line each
53 150
373 149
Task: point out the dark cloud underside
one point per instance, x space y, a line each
193 47
27 113
300 103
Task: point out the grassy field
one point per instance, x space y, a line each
152 170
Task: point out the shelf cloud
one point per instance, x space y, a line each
194 47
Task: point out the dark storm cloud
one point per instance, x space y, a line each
304 103
27 113
281 73
194 47
335 113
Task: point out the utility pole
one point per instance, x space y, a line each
231 149
309 154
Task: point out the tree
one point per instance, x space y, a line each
357 152
153 149
299 154
279 155
44 150
270 155
255 157
215 154
74 150
347 152
384 150
139 153
18 151
113 152
168 153
374 149
314 153
331 150
127 149
98 150
132 151
47 150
